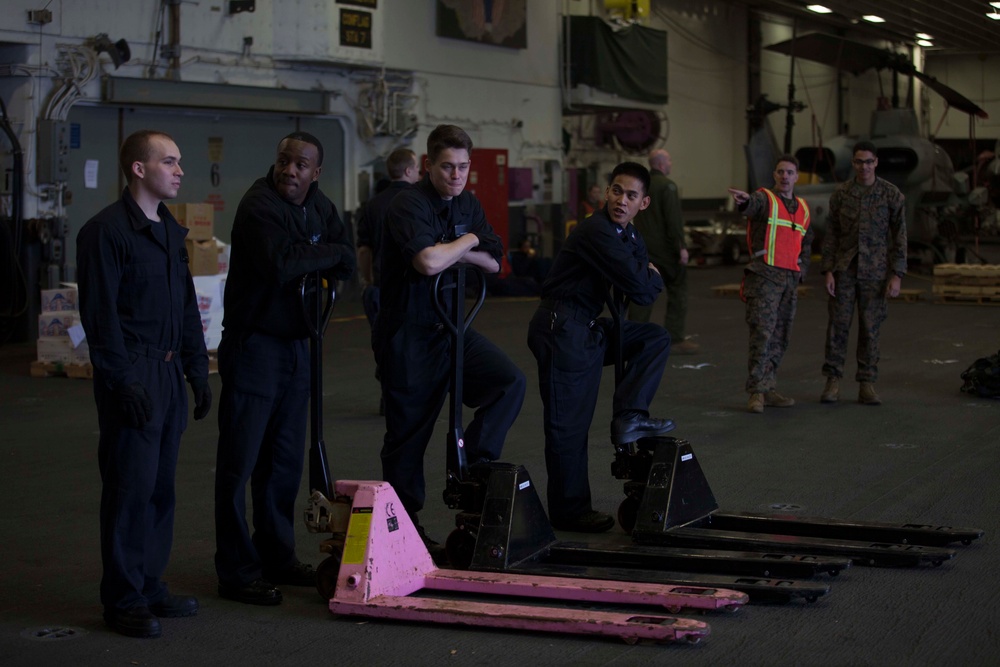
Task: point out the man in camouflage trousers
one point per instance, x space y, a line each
864 260
779 240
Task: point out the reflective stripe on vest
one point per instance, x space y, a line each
783 238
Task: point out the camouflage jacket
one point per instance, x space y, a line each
867 230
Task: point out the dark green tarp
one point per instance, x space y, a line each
631 62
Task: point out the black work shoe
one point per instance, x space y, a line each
257 591
175 606
630 429
588 522
437 550
299 574
134 622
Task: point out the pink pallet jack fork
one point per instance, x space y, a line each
384 562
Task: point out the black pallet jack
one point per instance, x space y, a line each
502 526
378 564
668 502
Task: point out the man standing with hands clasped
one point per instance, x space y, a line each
864 260
140 313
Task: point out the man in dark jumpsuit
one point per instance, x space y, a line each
429 228
571 345
780 240
284 229
140 314
864 261
404 172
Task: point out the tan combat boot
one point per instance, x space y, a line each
831 392
773 399
867 395
756 403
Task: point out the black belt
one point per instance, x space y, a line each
151 352
569 310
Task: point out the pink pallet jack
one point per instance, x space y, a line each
384 563
378 563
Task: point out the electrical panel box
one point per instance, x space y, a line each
52 164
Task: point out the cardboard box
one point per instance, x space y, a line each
203 257
198 218
56 323
56 300
55 349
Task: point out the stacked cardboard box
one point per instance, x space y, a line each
57 321
979 283
209 290
202 249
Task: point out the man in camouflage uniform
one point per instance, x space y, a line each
864 260
779 239
662 227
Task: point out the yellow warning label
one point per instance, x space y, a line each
357 535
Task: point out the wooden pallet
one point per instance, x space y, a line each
908 296
47 369
733 289
969 299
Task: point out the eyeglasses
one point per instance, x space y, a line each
866 163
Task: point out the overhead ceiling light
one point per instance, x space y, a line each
872 18
993 15
996 5
923 35
925 42
820 9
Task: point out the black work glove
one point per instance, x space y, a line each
202 398
137 407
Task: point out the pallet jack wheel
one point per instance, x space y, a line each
326 577
460 547
628 513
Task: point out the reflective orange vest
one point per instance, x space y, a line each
783 239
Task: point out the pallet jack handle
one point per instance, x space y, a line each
617 305
456 322
318 296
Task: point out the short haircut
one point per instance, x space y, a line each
444 137
399 161
307 138
787 157
137 148
635 170
865 146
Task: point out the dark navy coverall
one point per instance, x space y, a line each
264 366
140 314
413 350
571 344
371 220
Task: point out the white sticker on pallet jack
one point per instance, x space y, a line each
523 485
687 457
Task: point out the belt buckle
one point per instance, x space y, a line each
170 356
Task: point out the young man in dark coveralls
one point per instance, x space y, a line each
571 344
139 311
780 241
429 228
864 261
404 172
284 228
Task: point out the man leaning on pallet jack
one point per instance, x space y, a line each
779 239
